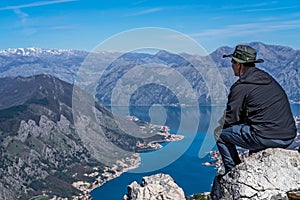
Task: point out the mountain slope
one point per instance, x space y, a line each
44 150
163 78
40 148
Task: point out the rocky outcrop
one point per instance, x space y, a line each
268 174
155 187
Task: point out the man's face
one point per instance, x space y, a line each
236 67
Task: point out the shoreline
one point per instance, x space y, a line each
109 173
123 165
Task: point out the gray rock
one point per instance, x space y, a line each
155 187
268 174
5 193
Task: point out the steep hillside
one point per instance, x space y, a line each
48 149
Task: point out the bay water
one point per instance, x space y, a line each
181 159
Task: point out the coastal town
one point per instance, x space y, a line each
109 173
163 136
159 134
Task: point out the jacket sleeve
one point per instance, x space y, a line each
234 109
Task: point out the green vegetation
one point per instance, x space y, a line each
35 143
17 148
43 101
37 185
60 185
11 112
199 197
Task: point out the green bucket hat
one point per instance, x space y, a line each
244 54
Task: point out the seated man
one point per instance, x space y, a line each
258 114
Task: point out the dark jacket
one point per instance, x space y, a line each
258 100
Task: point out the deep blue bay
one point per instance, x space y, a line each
187 170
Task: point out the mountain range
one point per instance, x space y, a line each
100 72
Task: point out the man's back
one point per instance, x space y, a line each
266 105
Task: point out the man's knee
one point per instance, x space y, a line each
217 133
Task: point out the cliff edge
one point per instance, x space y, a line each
268 174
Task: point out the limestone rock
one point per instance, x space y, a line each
268 174
155 187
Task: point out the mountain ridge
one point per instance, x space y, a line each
37 51
281 61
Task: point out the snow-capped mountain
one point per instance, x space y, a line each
33 51
32 61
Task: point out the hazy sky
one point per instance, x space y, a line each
83 24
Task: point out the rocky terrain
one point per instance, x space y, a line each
45 146
158 186
268 174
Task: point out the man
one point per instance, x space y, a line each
258 114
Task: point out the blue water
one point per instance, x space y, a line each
179 159
187 170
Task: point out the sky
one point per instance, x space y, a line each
83 24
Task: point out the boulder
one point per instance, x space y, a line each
268 174
155 187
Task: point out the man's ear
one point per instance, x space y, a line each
239 65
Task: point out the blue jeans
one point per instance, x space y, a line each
243 136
